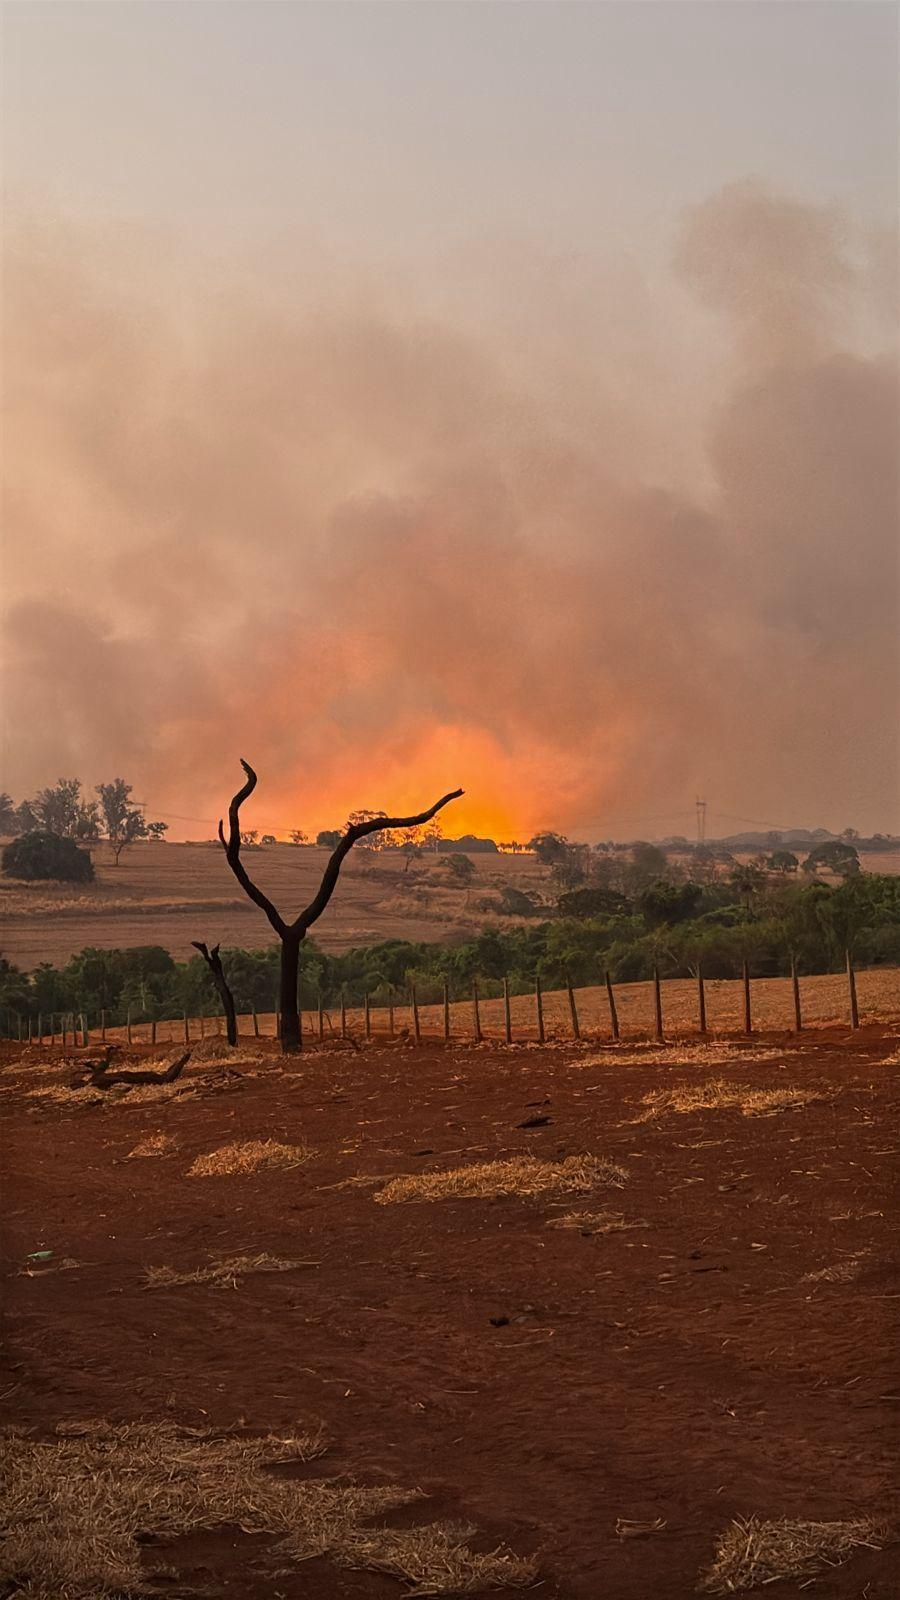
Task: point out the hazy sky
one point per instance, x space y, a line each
411 394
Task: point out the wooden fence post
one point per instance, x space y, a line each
613 1013
202 1025
701 999
795 985
103 1027
539 1008
507 1014
391 1010
476 1013
745 978
255 1022
657 1005
417 1031
19 1029
368 1018
85 1035
321 1017
153 1031
40 1028
573 1010
343 1011
446 1009
187 1028
851 992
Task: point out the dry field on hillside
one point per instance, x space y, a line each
169 894
616 1322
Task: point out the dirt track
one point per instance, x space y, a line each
543 1381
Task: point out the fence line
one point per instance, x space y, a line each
653 1009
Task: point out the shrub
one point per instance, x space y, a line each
591 903
46 855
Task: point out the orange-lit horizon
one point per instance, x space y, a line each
486 444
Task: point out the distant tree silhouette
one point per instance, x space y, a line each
293 933
123 821
62 811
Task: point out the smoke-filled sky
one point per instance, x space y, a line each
495 394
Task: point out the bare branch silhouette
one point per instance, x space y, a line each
232 848
213 961
293 933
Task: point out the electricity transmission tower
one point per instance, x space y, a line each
701 819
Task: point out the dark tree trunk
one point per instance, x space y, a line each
291 1035
213 961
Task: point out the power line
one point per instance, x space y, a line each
755 822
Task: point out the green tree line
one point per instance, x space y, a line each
673 926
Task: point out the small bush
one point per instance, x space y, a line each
46 855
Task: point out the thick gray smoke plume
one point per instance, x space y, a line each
584 555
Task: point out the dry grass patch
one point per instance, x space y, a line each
720 1095
520 1175
752 1552
256 1155
224 1273
119 1094
437 1559
842 1271
155 1144
594 1222
681 1055
74 1507
58 1094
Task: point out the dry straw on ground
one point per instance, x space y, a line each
680 1055
720 1095
256 1155
752 1553
841 1272
520 1175
155 1144
594 1222
224 1274
74 1508
120 1094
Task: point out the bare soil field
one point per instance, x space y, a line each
601 1305
169 894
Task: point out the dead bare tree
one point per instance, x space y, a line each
293 933
214 962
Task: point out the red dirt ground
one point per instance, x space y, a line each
542 1382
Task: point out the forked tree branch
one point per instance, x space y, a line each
359 830
355 831
232 848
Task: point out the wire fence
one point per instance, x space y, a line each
655 1009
